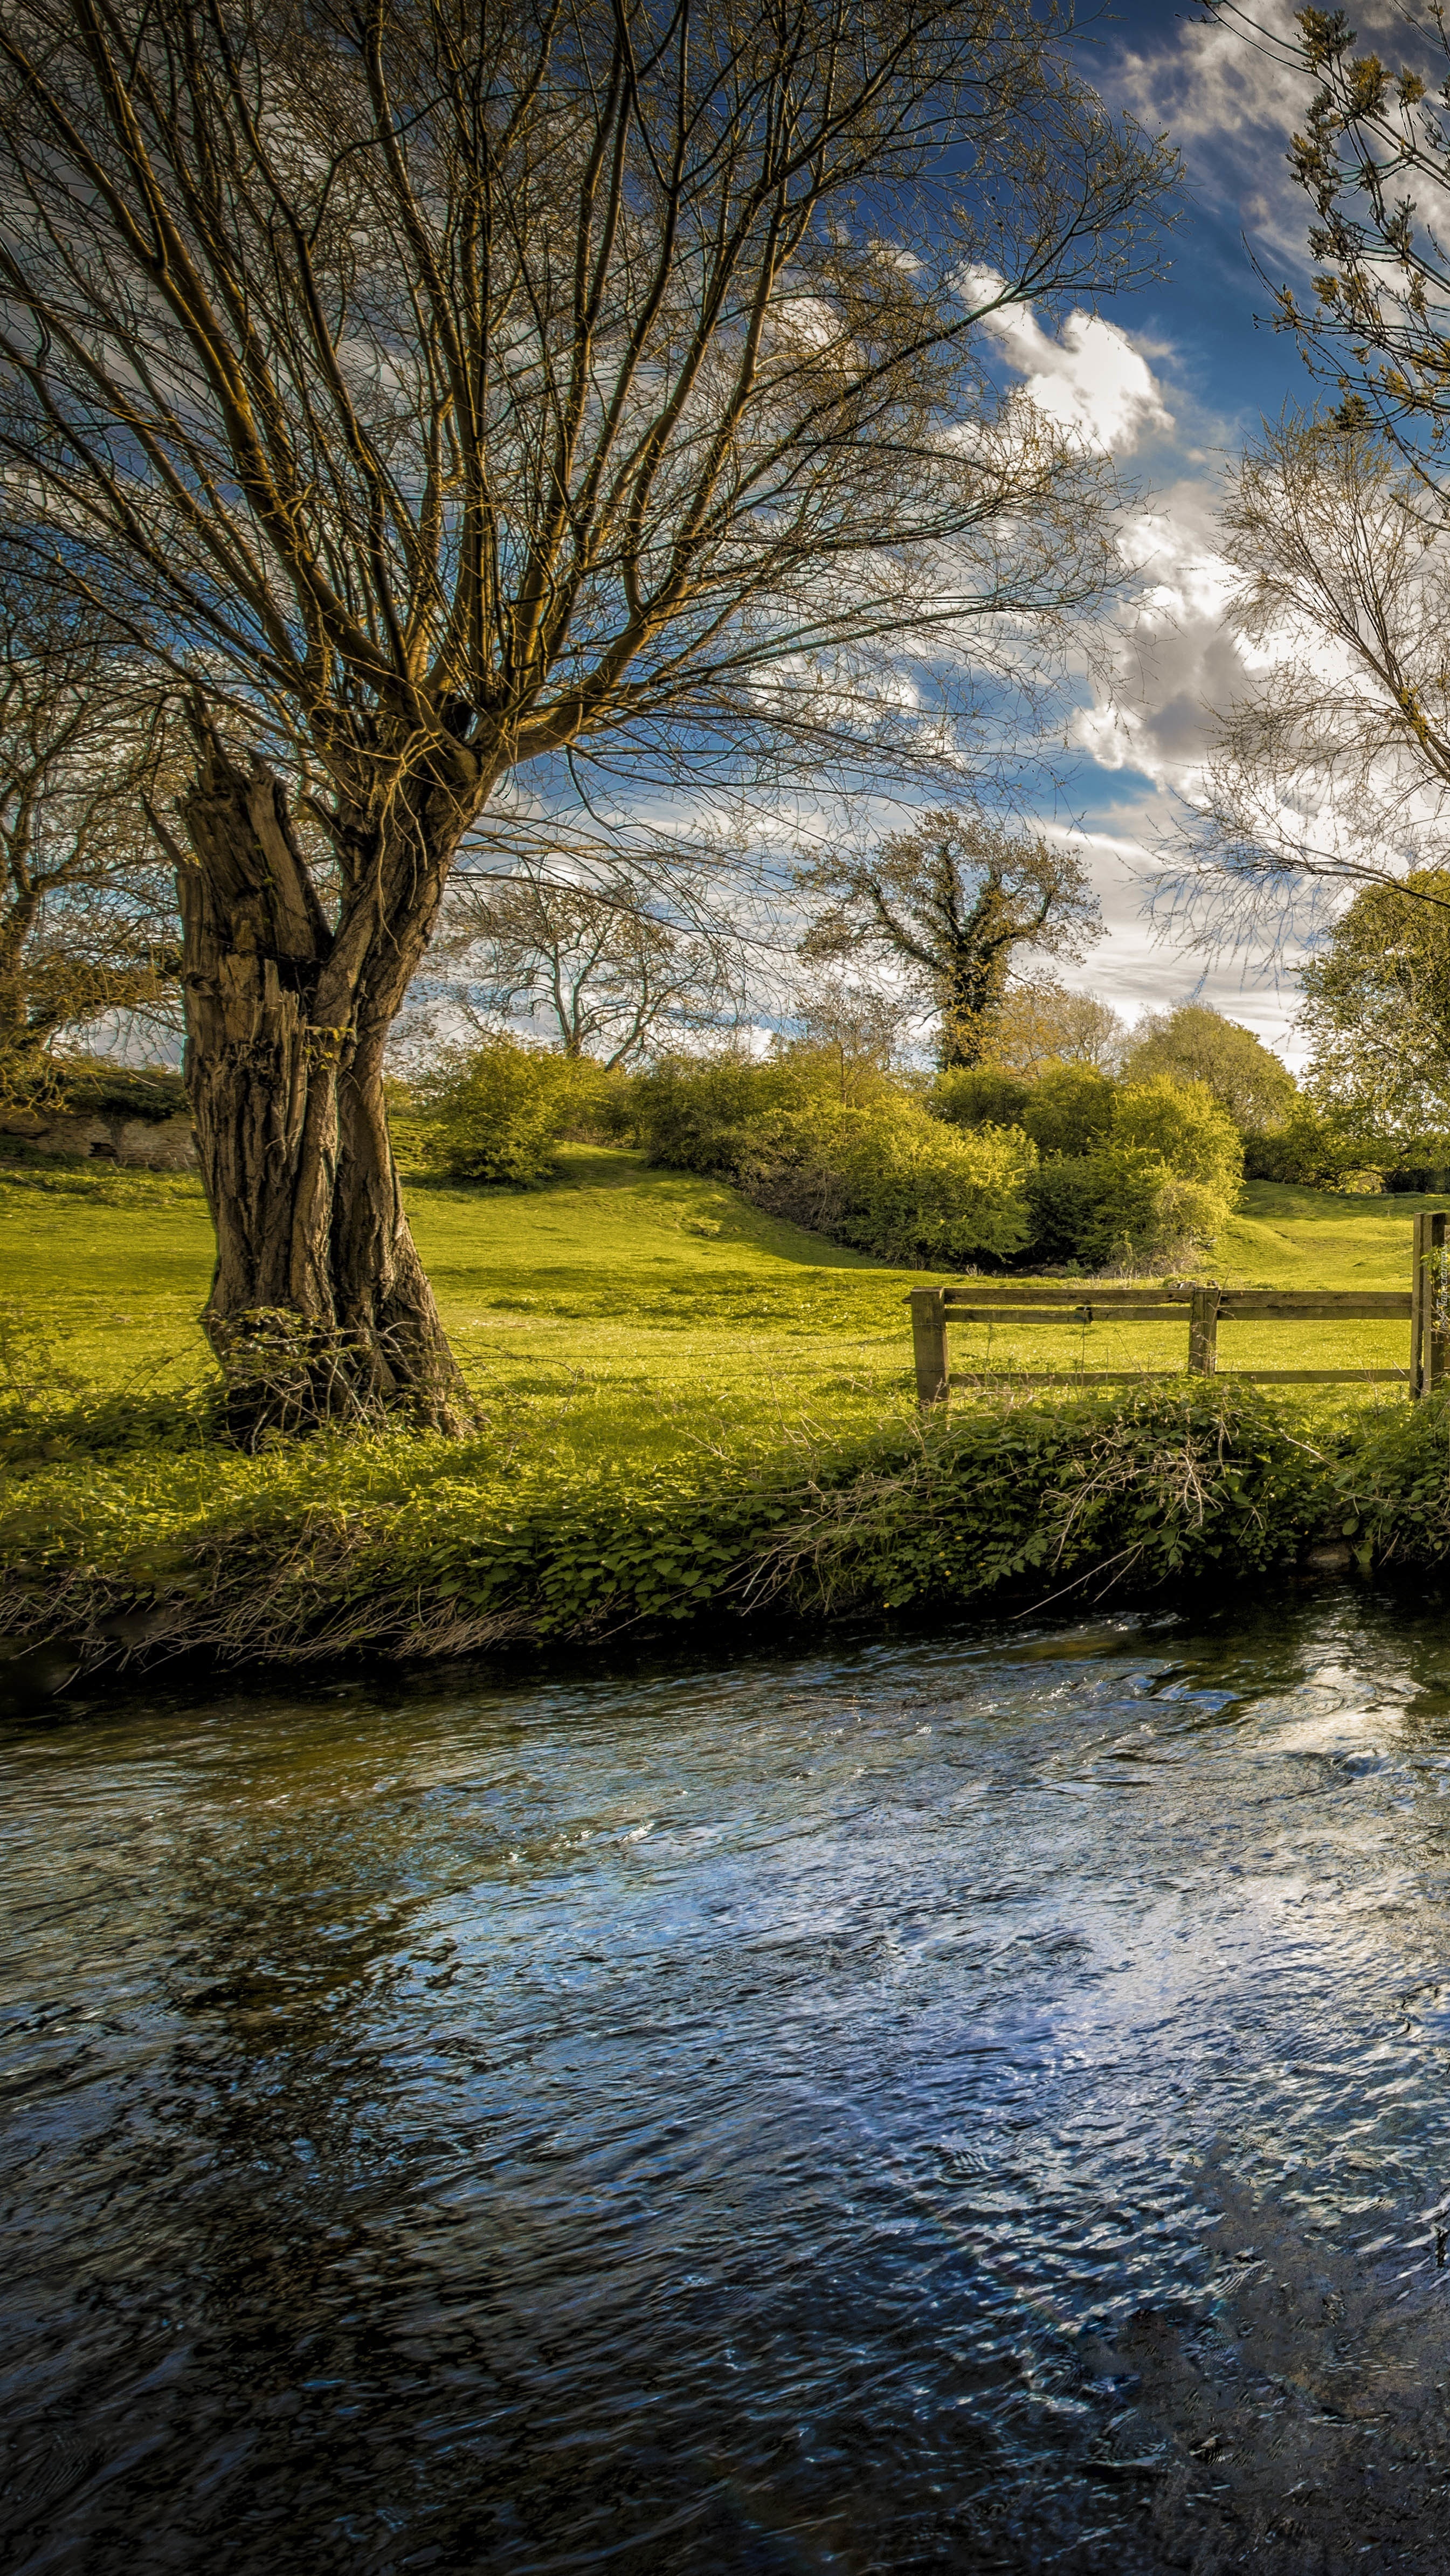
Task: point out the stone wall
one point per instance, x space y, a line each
160 1144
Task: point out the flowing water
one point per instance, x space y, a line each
974 2102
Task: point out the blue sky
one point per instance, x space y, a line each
1171 379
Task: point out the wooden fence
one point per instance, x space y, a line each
1425 1305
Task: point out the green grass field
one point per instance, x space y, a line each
649 1309
659 1371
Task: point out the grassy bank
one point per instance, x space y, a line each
682 1404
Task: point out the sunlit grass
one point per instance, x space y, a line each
620 1310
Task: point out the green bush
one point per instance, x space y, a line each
1110 1175
1184 1126
1062 1200
96 1086
725 1112
874 1169
706 1114
1149 1188
498 1111
416 1546
1121 1209
1070 1111
979 1095
1321 1153
893 1181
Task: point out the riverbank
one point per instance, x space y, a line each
686 1407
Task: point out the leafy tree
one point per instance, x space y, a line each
948 904
437 390
1183 1124
1194 1043
1121 1208
1376 1010
1132 1174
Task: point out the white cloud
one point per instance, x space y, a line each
1174 661
1092 378
1231 94
1135 970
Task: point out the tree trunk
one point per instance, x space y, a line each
975 985
320 1310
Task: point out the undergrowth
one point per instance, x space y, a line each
412 1545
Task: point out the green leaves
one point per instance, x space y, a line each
406 1545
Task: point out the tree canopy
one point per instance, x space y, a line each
1376 1009
1194 1043
948 904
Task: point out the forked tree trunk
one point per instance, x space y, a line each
320 1309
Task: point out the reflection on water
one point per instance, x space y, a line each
976 2103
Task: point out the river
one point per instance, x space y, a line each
978 2101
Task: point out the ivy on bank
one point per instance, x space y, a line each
401 1548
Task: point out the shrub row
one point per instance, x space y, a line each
1071 1168
847 1152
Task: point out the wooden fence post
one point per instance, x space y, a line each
929 1342
1429 1320
1203 1332
1419 1303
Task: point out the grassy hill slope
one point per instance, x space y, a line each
642 1309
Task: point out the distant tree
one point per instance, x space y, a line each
1194 1043
436 390
594 967
88 926
1039 1022
947 906
1376 1010
860 1024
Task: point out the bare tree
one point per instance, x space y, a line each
1332 770
1373 158
948 905
88 927
605 972
860 1024
1040 1022
440 389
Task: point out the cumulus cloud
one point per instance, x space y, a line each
1135 969
1091 378
1174 661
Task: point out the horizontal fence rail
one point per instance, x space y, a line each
1425 1305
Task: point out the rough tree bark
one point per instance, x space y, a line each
319 1305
